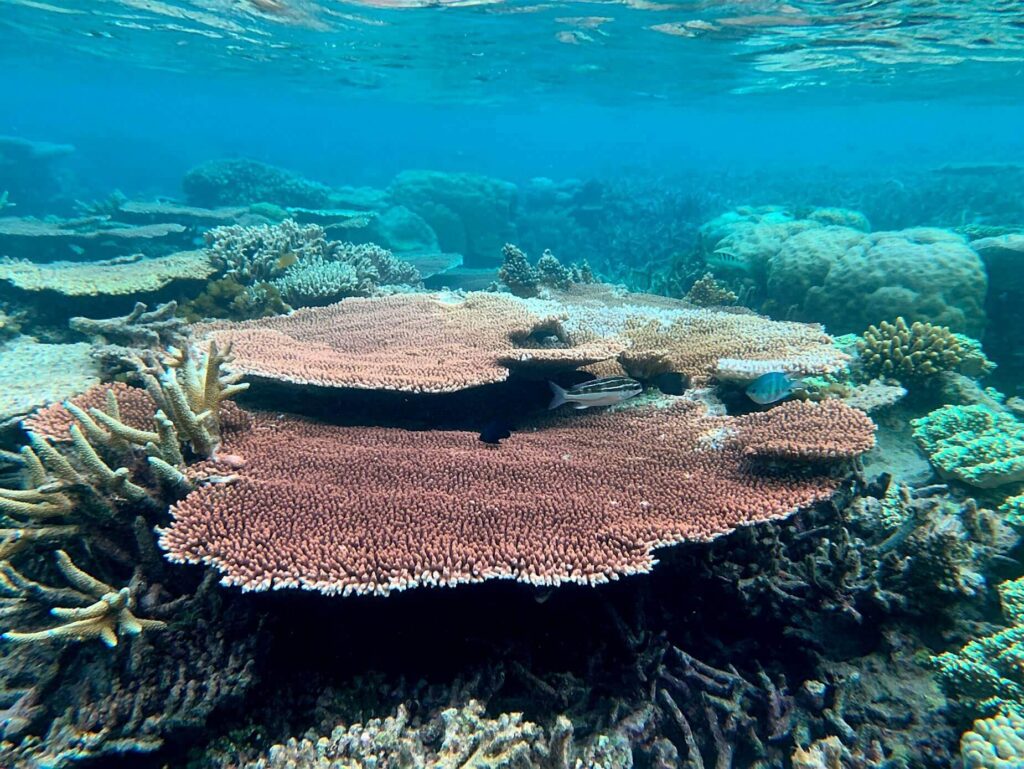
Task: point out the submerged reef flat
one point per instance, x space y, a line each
245 444
33 375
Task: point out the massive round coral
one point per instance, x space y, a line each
578 498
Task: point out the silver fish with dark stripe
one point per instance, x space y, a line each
597 392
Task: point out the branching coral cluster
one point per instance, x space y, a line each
301 265
917 351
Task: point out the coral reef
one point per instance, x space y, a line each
985 675
380 343
239 182
471 215
689 472
30 172
128 276
400 230
97 610
228 298
459 737
918 351
847 278
96 474
262 252
300 265
708 292
525 280
994 743
133 699
477 338
35 375
141 329
1004 262
95 236
973 444
344 270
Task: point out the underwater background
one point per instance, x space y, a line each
508 385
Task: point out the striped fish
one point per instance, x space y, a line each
597 392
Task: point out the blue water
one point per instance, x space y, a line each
627 127
349 94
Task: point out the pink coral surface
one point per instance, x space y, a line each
582 498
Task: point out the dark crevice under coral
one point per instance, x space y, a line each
804 635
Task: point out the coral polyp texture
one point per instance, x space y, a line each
448 342
986 676
805 431
917 351
584 498
414 343
973 444
134 407
994 743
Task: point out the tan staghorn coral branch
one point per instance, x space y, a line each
102 612
13 541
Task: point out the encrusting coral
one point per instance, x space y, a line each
917 351
91 609
973 444
986 675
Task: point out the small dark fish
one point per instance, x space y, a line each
773 387
496 431
597 392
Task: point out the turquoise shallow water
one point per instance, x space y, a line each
287 287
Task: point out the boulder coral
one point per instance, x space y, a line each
471 214
827 267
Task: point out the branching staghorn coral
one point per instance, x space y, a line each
96 611
92 471
141 328
189 389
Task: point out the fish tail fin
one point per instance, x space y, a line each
558 394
